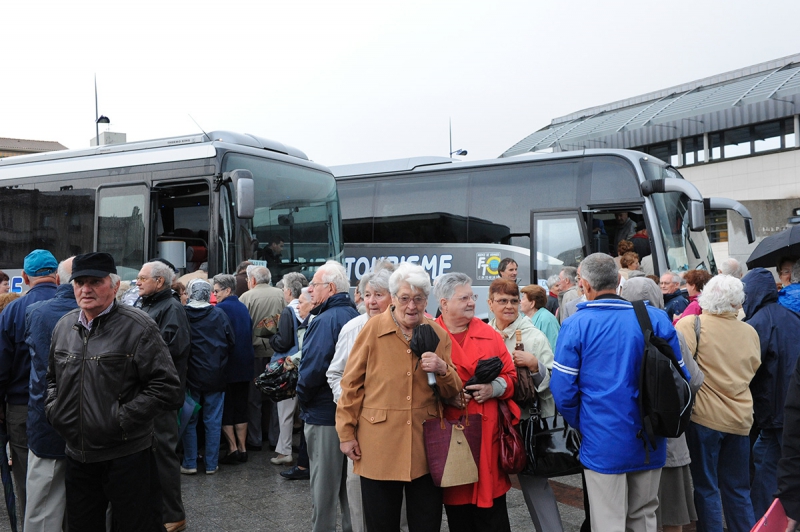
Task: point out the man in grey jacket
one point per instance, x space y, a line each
109 375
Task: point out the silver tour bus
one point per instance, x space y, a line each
216 198
545 211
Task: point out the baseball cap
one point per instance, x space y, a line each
92 265
40 262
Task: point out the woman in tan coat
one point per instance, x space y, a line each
728 353
385 400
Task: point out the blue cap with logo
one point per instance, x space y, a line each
40 262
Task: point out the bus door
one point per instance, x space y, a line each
182 224
122 219
558 239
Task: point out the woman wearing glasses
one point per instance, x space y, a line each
538 357
384 401
482 505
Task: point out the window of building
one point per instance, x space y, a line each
717 226
736 142
767 136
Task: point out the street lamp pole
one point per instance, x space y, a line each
98 119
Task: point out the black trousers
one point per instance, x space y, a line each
129 483
469 518
383 500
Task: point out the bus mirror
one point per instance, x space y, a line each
697 216
733 205
245 192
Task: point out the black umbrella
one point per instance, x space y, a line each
8 484
486 371
424 339
771 249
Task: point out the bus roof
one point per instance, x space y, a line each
183 148
432 163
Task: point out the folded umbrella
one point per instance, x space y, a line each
423 339
486 371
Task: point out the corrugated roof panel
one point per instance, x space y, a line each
741 97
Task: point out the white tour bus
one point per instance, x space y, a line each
544 211
216 198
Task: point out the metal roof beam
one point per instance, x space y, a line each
647 122
759 82
642 111
787 80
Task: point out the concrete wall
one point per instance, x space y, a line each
768 185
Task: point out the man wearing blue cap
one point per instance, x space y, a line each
39 273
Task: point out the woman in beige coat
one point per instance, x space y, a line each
385 400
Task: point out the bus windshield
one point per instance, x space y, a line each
685 249
297 205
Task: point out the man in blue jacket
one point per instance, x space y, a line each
47 496
39 273
595 383
333 308
778 330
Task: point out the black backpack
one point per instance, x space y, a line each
665 399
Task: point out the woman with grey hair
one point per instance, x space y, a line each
728 353
385 400
484 502
284 343
375 291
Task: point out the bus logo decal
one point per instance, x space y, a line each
487 264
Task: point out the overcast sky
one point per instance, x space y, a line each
353 81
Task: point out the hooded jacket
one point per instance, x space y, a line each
212 345
789 297
313 391
778 330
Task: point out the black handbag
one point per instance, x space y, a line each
551 445
279 380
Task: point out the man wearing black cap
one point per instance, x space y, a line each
110 373
39 273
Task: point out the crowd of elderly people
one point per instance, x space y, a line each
364 394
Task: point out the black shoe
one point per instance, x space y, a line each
231 458
253 447
242 457
296 473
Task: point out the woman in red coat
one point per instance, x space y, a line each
480 506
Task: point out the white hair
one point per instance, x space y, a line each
446 285
413 274
378 278
795 273
334 272
261 274
552 280
65 271
115 279
159 269
731 266
599 271
723 293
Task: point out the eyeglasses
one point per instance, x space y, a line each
219 290
503 302
464 299
143 278
418 300
312 284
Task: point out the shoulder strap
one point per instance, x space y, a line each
697 335
643 317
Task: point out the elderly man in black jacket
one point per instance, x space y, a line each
109 375
155 282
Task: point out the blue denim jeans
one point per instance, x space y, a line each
211 410
720 470
766 453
